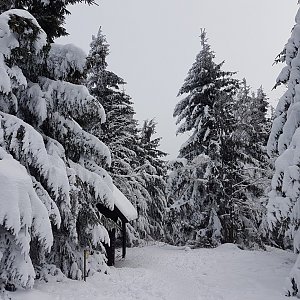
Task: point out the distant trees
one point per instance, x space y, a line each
152 171
211 187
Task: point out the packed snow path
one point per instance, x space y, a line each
173 273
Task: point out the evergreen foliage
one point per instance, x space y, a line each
213 194
49 14
203 85
152 171
133 150
283 148
43 115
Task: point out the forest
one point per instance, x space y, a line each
69 137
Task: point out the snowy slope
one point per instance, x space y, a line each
167 272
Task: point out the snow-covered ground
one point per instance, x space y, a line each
166 272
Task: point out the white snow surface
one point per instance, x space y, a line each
179 273
124 205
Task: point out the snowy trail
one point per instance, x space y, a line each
170 273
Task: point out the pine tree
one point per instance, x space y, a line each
203 85
204 113
119 131
283 148
253 166
132 149
213 196
43 113
152 171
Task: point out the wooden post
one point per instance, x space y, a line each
123 239
85 255
111 250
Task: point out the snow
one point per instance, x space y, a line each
9 40
22 216
176 273
124 205
20 206
64 60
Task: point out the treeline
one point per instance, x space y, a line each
68 134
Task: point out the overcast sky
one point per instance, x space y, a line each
154 43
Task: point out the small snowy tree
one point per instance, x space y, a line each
152 174
283 147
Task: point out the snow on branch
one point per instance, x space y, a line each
23 216
27 145
64 61
72 100
78 143
97 185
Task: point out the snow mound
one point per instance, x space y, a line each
228 247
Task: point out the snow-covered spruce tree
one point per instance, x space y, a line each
130 147
209 197
43 115
283 147
24 215
151 172
120 130
196 204
251 133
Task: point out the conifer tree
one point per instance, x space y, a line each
204 113
43 113
283 148
203 85
209 185
152 171
252 128
120 129
130 147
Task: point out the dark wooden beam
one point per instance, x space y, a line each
123 239
111 214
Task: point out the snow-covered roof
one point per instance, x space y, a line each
124 205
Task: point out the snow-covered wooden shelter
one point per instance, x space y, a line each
122 213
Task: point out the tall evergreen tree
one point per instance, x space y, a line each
204 113
209 194
253 165
43 115
120 129
130 147
203 85
283 147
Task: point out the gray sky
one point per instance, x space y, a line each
154 43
